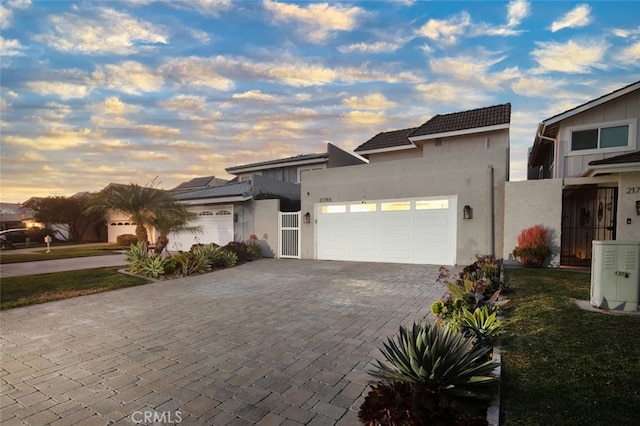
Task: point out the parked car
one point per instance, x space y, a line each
10 237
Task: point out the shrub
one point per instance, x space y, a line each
533 247
190 263
151 266
434 357
137 252
482 324
212 252
125 240
400 403
230 259
254 251
239 248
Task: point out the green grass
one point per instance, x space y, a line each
563 365
33 289
58 253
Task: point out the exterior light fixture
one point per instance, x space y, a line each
638 207
467 212
307 217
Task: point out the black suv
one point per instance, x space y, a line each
13 236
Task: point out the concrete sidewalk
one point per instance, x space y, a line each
271 342
59 265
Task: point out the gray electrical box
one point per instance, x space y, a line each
615 275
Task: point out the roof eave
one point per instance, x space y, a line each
592 104
217 200
460 132
610 168
241 169
387 149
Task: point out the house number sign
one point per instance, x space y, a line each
633 189
325 199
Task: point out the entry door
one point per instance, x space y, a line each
417 230
588 214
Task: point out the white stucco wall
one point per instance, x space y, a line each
465 174
628 196
529 203
265 225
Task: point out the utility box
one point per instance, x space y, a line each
615 275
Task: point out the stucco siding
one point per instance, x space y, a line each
265 225
464 174
628 196
529 203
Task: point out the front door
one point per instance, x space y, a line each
588 214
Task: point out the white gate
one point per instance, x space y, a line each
289 228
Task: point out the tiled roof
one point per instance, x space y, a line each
472 119
303 157
633 157
199 183
229 190
387 140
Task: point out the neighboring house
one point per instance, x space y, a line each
14 215
247 205
432 194
583 180
290 169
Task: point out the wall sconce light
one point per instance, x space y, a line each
307 217
638 207
235 217
467 212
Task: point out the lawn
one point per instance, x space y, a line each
563 365
58 253
33 289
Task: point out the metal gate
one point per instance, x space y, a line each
588 213
289 228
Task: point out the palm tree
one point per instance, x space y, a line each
141 203
173 217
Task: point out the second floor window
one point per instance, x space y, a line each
610 136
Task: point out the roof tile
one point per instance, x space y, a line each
472 119
387 140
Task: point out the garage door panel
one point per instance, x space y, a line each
419 235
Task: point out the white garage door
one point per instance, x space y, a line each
216 224
417 230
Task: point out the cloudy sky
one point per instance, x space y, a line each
94 92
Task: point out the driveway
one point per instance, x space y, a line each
270 342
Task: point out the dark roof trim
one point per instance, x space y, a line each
290 161
387 141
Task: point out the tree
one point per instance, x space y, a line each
146 206
173 217
66 212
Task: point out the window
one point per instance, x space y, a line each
223 213
395 206
336 208
206 213
432 204
363 208
617 136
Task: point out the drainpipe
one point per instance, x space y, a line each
492 211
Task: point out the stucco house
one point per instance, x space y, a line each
432 194
247 205
583 180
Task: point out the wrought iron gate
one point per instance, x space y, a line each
588 213
289 228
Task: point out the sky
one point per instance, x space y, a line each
94 92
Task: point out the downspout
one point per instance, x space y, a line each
492 208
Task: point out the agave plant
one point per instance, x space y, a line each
482 324
212 252
230 259
137 252
152 266
435 357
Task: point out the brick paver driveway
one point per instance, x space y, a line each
269 342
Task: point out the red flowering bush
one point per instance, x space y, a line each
533 247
